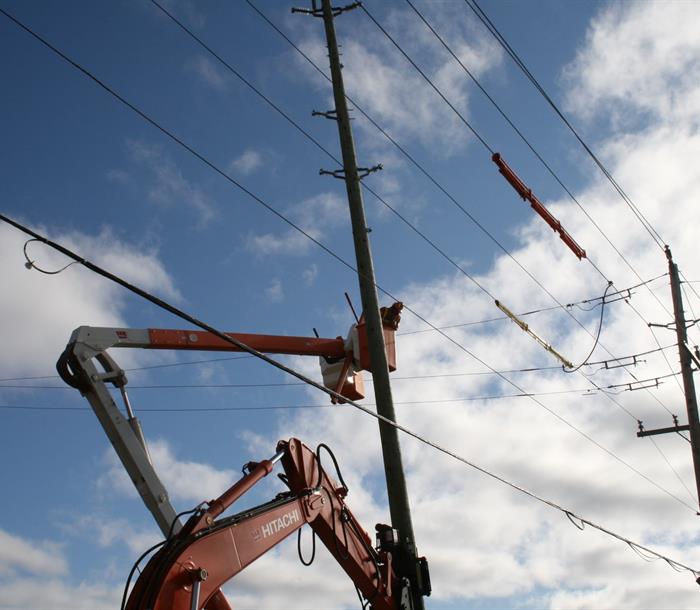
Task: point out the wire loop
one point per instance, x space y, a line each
30 264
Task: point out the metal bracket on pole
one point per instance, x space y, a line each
642 432
361 172
329 114
315 11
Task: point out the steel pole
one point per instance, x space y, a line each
393 468
686 366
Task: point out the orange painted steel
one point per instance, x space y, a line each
536 205
271 344
205 554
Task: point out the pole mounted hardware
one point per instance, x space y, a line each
362 172
329 114
315 11
686 357
407 563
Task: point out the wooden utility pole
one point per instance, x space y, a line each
407 563
686 358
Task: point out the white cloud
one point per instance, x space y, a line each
380 79
316 216
35 574
19 555
486 540
639 60
208 72
169 186
247 162
105 531
50 593
186 481
274 292
47 308
310 274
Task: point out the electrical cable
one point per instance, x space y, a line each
395 378
597 337
396 44
183 315
270 208
474 6
656 340
527 143
282 217
678 476
209 386
241 346
30 264
262 385
430 177
466 123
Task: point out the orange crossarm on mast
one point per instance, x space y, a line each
270 344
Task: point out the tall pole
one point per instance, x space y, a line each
393 467
686 366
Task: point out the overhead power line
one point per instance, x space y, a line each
483 17
160 303
533 369
520 134
270 208
623 387
243 347
445 192
451 106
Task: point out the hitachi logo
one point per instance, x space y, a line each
281 523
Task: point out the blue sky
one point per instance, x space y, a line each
87 171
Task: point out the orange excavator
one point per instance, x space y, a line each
197 557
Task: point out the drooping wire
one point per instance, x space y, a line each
30 264
675 472
524 139
483 17
434 181
413 63
243 347
162 304
282 367
597 337
270 208
259 385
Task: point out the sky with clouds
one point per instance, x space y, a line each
449 236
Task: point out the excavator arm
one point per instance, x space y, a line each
201 555
189 570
